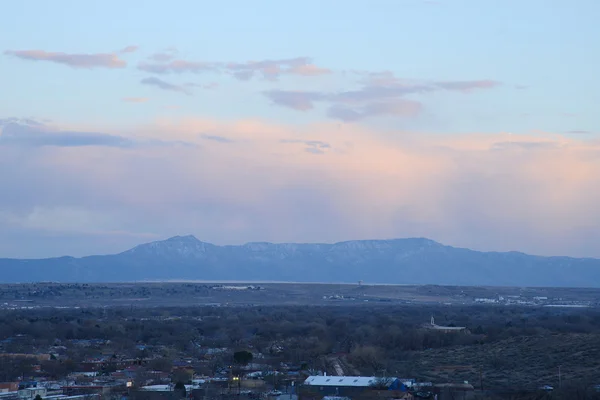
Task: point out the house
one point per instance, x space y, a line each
31 393
317 387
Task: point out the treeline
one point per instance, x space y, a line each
372 336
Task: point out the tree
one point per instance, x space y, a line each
242 357
367 358
180 388
182 375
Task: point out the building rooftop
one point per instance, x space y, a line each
356 381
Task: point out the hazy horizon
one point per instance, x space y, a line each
470 123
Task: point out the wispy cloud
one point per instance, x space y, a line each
37 135
206 86
296 100
467 86
578 132
312 146
135 99
380 94
159 83
74 60
178 66
164 55
396 107
526 146
164 63
216 138
129 49
28 133
273 69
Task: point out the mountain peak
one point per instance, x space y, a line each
183 246
185 238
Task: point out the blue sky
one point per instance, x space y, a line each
412 76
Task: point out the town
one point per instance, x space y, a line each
303 352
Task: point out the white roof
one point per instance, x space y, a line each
164 388
358 381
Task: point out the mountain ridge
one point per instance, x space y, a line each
394 261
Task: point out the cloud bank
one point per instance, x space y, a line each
251 180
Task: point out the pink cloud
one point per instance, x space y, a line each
532 195
88 61
273 69
163 63
309 70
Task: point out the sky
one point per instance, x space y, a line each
472 123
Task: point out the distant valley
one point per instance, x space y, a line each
412 261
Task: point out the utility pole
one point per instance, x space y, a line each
559 378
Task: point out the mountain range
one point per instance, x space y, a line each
396 261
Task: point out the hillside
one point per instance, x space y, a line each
397 261
523 362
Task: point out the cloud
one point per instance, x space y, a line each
129 49
309 70
165 55
86 61
29 134
539 194
206 86
381 94
152 81
164 63
135 99
273 69
296 100
526 146
178 66
312 146
467 86
579 132
36 135
397 107
216 138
